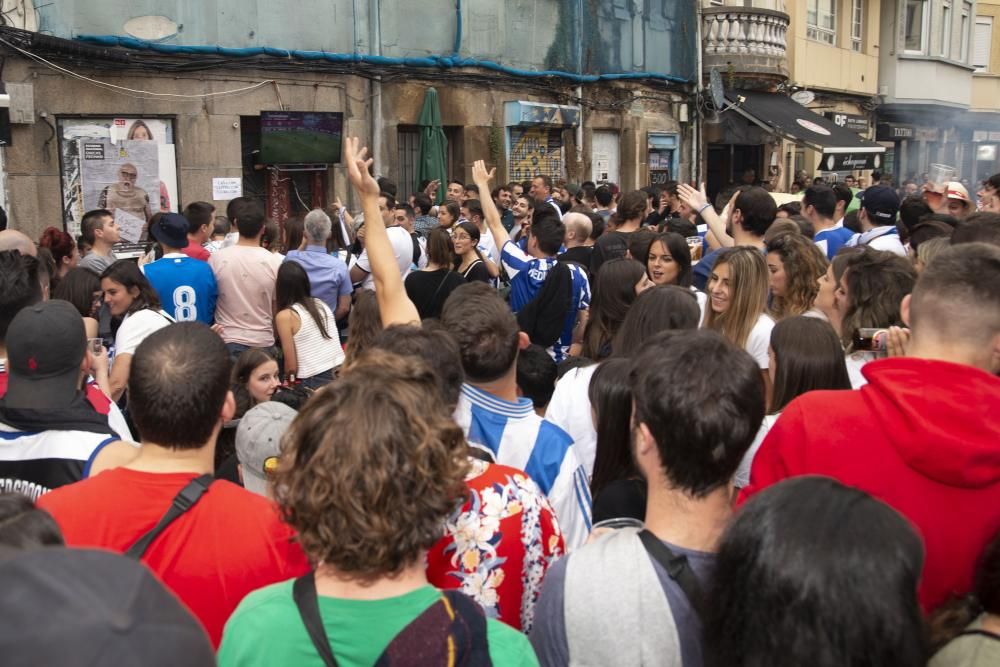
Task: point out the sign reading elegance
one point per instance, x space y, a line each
848 121
851 161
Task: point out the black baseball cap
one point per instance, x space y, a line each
881 202
77 607
46 344
170 229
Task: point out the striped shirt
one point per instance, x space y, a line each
527 274
35 462
519 438
314 353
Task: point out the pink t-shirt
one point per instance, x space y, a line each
246 278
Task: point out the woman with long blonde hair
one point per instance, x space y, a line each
737 302
794 264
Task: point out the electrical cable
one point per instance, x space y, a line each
145 94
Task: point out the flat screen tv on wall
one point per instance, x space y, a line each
300 137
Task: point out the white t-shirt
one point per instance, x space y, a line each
759 340
136 327
855 362
489 247
570 410
702 301
402 250
742 476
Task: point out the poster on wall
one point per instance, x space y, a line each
123 178
151 139
535 151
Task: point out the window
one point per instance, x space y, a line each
821 20
981 43
946 28
915 25
966 14
857 25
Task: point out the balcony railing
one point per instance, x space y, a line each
746 40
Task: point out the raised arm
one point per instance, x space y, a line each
482 179
698 202
393 304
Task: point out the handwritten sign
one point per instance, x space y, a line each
130 225
224 189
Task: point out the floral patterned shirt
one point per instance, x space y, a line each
499 544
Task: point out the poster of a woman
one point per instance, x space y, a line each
139 131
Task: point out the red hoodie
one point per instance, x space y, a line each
923 436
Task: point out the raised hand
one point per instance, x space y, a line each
696 199
479 173
355 156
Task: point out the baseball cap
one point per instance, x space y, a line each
170 229
956 190
46 343
881 202
258 442
77 607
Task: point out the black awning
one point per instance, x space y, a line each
843 150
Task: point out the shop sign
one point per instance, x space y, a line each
848 121
894 132
851 161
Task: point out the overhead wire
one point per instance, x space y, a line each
133 92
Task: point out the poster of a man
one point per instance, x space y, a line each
119 177
91 140
126 195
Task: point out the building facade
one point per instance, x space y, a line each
918 78
820 59
578 91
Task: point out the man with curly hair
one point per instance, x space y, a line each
368 491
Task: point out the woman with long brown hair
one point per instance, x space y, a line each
737 303
805 355
794 265
616 287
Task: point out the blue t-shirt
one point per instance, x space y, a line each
833 239
526 277
701 271
186 287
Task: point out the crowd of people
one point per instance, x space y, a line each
536 423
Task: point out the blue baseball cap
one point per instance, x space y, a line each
170 229
881 202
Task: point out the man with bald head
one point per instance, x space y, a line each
11 239
577 240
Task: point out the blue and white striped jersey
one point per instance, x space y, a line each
519 438
526 277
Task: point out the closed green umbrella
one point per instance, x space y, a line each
432 161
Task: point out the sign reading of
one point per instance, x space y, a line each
848 121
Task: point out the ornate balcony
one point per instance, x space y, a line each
745 43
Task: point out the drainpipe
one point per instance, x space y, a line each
579 89
375 37
695 116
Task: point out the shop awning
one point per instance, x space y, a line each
842 149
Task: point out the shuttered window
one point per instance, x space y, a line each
981 43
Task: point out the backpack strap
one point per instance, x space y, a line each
677 568
469 628
449 633
304 594
185 499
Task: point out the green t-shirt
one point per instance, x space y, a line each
266 630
